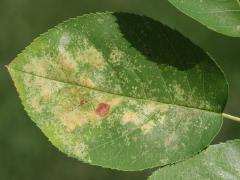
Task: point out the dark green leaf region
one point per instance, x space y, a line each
121 91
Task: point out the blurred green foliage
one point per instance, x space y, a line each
25 153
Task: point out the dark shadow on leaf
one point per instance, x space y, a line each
159 43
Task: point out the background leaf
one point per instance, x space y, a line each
222 16
120 96
217 162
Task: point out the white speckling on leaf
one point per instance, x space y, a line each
81 151
63 42
38 65
92 57
161 119
170 139
146 128
164 108
67 62
116 55
72 119
238 27
35 103
87 82
130 117
178 91
150 107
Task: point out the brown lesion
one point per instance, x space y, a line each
102 109
84 109
83 102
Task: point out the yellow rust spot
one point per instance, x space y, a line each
74 91
41 87
38 66
149 108
164 108
66 61
92 57
73 119
146 128
130 117
115 101
93 117
45 87
35 103
45 91
87 82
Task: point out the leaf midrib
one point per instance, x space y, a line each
70 83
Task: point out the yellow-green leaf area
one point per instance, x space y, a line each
121 91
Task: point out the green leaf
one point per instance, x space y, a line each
217 162
222 16
121 91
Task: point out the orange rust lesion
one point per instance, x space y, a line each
73 116
102 109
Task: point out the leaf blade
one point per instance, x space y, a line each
112 123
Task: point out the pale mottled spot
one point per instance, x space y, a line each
204 104
44 88
170 139
100 20
238 28
84 42
130 117
161 119
35 103
117 88
164 108
93 57
178 91
116 55
149 108
115 101
67 62
87 82
81 151
72 119
63 42
146 128
39 66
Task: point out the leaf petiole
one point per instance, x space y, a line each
234 118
